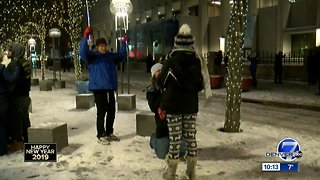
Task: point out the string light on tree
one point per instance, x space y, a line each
72 22
235 47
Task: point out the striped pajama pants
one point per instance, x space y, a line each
182 125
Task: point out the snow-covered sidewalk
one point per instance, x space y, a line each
221 155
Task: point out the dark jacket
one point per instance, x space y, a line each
7 78
253 63
153 96
218 58
278 62
181 81
102 67
21 87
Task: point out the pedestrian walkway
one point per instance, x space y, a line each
292 94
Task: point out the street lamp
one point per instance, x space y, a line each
32 44
121 9
54 33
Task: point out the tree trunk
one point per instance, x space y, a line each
235 44
42 57
76 60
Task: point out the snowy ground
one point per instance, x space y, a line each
221 155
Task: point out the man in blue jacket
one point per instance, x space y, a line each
102 82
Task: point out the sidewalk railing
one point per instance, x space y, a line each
293 58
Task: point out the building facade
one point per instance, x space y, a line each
273 25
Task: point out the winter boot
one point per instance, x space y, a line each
191 167
170 171
15 146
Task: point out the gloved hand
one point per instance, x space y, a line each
126 39
162 114
87 31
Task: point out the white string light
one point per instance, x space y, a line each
235 46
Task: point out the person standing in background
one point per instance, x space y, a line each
6 78
19 97
254 60
278 68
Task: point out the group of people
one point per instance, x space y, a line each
254 60
15 81
173 97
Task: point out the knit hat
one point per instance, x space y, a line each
101 41
184 37
155 68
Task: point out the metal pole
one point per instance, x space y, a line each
52 56
128 65
116 48
89 25
122 66
59 59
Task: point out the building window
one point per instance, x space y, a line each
213 10
194 11
267 3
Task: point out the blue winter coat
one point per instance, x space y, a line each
102 67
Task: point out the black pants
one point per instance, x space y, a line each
278 76
254 78
19 118
3 126
106 104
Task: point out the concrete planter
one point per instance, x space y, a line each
246 83
60 84
126 102
82 87
84 101
45 85
34 82
216 81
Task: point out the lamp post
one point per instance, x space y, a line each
121 9
32 44
55 33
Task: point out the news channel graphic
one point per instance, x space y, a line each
288 150
40 152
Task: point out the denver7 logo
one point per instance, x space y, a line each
288 149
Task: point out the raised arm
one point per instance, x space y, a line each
119 56
87 55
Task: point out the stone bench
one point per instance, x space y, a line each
126 102
145 123
34 82
60 84
45 85
50 132
84 101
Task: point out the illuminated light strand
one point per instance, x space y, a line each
235 45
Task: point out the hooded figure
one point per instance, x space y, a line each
6 77
22 86
19 98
